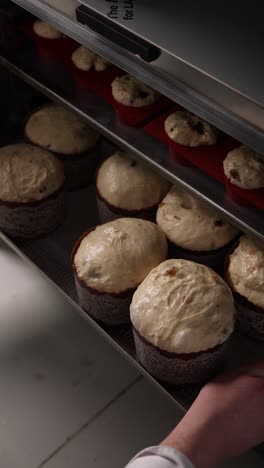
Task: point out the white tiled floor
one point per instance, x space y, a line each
140 417
67 398
56 372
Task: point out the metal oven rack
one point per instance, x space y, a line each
56 82
52 254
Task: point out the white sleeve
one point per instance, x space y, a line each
160 457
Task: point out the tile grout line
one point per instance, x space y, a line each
87 423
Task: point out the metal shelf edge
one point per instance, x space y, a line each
182 93
101 116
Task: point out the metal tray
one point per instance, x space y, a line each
52 255
56 82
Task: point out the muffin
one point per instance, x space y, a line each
31 195
182 315
46 31
131 92
51 43
128 188
187 129
64 133
110 261
245 276
244 167
194 230
85 59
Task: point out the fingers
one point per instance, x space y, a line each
254 369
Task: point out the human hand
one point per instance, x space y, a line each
226 419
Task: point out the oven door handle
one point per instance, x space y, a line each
117 34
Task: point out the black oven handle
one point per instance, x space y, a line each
115 33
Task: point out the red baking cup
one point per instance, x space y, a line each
136 116
60 49
155 128
207 158
100 84
245 197
177 157
94 81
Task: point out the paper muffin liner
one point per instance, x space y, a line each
250 318
179 369
31 220
80 168
214 259
109 212
104 307
108 308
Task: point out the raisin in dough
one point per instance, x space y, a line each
131 92
244 167
187 129
86 59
